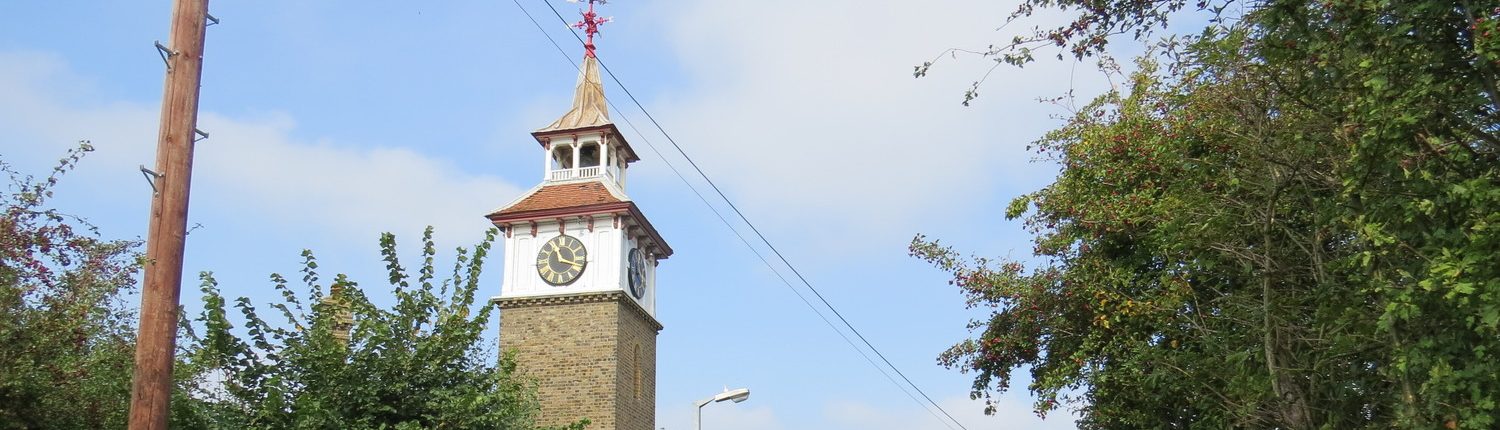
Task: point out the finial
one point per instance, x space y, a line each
590 25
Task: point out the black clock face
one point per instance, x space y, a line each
561 260
637 273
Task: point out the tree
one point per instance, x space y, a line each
66 336
338 361
1289 225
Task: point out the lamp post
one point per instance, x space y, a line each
738 395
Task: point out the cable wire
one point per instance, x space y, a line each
747 222
736 232
752 226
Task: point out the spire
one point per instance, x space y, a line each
589 107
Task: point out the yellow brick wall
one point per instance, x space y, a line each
581 350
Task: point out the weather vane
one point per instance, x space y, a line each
590 25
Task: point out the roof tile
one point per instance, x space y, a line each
562 196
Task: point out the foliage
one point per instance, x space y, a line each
1290 223
1413 86
341 362
66 338
1087 34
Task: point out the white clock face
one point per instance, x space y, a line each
561 260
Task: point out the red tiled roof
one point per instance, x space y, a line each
574 199
562 196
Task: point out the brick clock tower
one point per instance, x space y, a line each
578 299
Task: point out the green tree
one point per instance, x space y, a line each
338 361
1290 224
1412 87
66 337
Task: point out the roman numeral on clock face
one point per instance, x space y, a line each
561 260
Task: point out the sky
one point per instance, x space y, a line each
333 121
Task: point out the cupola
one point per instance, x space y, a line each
584 143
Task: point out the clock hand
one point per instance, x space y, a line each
557 253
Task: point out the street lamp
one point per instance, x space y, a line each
737 396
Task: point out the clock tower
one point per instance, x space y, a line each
578 298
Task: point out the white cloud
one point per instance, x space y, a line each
258 167
357 191
805 107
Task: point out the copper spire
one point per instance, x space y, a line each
589 107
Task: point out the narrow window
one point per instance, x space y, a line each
562 157
638 366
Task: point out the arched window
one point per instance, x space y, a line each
588 154
638 370
562 157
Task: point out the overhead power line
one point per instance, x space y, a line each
746 220
736 232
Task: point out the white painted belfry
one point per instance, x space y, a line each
563 161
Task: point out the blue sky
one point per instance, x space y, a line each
334 121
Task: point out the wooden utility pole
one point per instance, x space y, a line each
157 343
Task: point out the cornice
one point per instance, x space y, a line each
625 207
577 298
590 209
542 137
